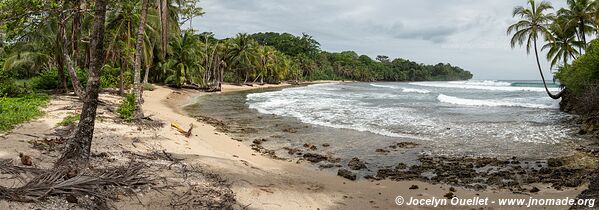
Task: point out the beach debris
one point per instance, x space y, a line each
347 174
326 145
25 159
96 183
47 144
186 133
356 164
289 130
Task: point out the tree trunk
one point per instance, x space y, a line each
122 77
559 95
137 87
163 9
582 34
75 32
146 74
78 89
79 147
60 64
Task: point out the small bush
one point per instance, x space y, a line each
18 110
69 120
9 86
149 87
47 80
127 108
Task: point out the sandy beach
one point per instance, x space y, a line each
257 181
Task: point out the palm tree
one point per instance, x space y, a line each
579 14
531 26
562 44
138 53
241 54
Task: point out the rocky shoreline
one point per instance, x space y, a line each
477 173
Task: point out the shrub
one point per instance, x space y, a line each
9 87
14 111
47 80
583 72
69 120
127 108
149 87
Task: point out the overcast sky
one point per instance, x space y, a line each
467 33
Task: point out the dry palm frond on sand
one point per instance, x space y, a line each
94 183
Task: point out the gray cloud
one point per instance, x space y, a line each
467 33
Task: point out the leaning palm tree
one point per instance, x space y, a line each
562 44
531 26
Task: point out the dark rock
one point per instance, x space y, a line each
451 189
413 187
315 158
291 151
356 164
407 145
534 190
555 162
310 146
382 151
326 145
401 166
449 195
346 174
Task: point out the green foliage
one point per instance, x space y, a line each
583 71
127 108
109 76
9 86
71 119
47 80
149 87
17 110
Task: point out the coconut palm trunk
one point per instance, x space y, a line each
79 147
559 95
164 24
137 87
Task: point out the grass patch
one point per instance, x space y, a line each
71 119
18 110
149 87
127 108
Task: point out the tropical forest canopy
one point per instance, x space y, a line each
45 45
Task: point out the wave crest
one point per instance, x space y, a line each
491 103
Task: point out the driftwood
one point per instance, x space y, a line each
186 133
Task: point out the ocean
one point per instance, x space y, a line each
500 119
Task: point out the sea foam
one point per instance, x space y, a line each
491 103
